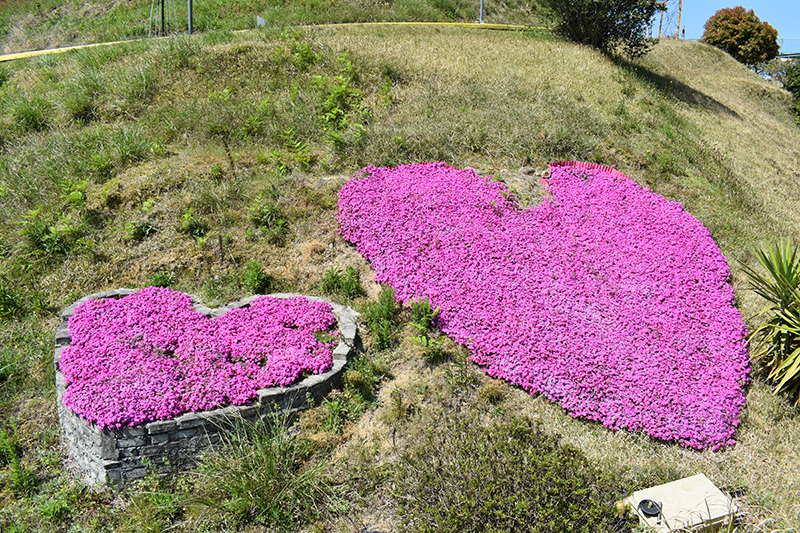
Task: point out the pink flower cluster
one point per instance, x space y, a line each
151 356
606 298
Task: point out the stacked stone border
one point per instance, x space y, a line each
115 457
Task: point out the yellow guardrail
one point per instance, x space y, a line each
501 27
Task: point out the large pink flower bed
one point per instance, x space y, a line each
606 298
151 356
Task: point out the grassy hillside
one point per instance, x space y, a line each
203 162
27 25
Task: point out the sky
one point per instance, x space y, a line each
783 15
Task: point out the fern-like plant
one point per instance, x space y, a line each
777 341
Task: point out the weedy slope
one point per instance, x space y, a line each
212 164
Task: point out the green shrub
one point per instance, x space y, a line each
261 475
162 279
336 411
791 81
791 78
337 97
362 378
54 509
777 342
381 317
51 240
605 24
192 226
340 282
22 479
255 279
11 303
507 476
422 319
269 221
9 448
423 315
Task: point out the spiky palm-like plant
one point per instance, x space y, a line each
777 341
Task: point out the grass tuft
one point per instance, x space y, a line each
261 475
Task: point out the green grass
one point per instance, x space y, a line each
262 475
505 476
28 25
212 164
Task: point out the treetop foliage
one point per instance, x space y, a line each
742 34
606 24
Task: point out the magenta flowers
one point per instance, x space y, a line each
606 298
151 356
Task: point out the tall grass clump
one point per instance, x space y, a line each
777 341
31 114
255 279
381 317
269 221
505 476
263 474
345 283
11 302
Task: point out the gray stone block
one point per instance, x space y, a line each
161 426
273 394
154 451
62 337
190 420
135 473
108 449
130 443
186 434
127 453
135 431
349 332
342 351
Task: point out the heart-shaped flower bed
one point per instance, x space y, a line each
606 298
151 355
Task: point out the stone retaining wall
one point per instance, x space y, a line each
118 456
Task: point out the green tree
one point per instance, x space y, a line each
742 34
791 81
605 24
791 78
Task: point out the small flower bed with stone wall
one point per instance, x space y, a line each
140 354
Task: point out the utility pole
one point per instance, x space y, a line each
661 19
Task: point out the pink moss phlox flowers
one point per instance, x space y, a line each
606 298
151 356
